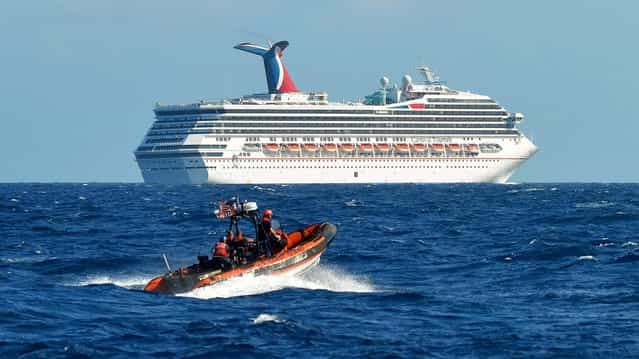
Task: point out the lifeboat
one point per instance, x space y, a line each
401 147
471 148
437 148
271 147
454 147
301 252
418 147
293 147
347 147
365 147
251 147
382 147
310 147
329 147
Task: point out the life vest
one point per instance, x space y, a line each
221 250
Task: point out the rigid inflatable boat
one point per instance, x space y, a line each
300 251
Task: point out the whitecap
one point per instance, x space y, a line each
352 203
15 200
265 318
82 198
629 244
533 189
598 204
587 258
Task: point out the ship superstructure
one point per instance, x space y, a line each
413 132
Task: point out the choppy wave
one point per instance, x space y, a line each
450 270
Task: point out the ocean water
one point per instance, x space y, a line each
520 270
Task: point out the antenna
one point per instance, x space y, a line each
166 262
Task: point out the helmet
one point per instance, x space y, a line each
268 213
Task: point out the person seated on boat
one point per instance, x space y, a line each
241 246
277 242
221 249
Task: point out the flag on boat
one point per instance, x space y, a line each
226 209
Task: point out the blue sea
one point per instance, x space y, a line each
518 270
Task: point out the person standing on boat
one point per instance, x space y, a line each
270 235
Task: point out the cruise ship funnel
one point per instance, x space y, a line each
277 77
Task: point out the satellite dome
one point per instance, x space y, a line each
384 81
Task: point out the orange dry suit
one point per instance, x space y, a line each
221 249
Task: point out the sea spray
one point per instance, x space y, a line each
319 278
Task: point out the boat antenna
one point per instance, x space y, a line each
166 262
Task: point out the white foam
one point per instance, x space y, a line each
599 204
319 278
124 282
587 258
629 244
265 318
352 203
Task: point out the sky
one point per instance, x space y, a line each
79 79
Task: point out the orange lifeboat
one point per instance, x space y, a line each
329 147
471 148
454 147
437 147
365 147
293 147
382 147
310 147
418 147
273 147
347 147
401 147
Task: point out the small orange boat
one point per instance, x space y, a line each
365 147
331 147
471 148
401 147
310 147
293 147
273 147
453 147
418 147
347 147
437 147
382 147
301 251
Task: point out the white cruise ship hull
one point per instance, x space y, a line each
292 171
497 168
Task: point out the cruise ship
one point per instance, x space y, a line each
414 131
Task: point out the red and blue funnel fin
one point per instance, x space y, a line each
278 79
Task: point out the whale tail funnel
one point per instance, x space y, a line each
277 78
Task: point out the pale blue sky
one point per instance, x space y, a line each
78 79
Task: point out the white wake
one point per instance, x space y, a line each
319 278
132 282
